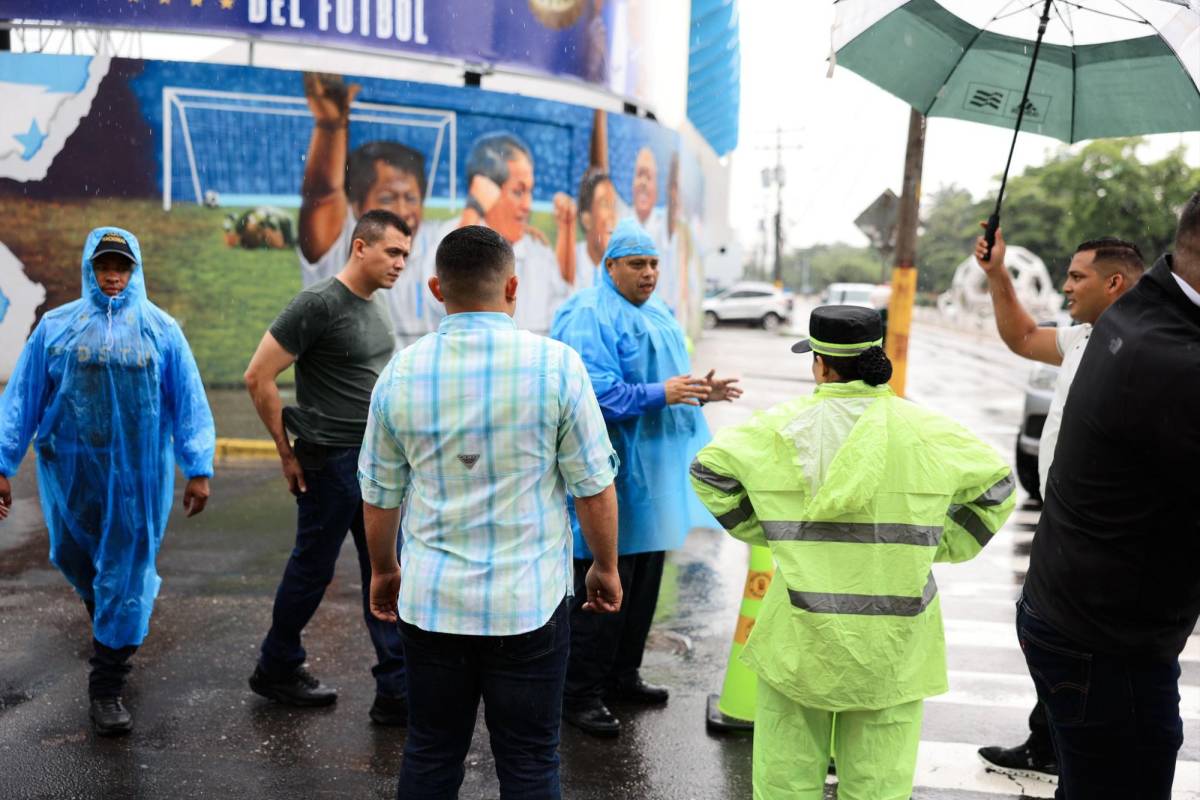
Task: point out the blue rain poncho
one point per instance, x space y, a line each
630 351
110 388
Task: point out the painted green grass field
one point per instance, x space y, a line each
224 297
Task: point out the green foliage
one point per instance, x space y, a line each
948 235
1102 189
828 263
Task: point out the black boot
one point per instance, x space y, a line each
110 666
593 718
300 688
638 691
110 717
392 711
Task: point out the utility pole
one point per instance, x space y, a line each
777 176
904 274
779 181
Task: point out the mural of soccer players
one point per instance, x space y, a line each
339 188
500 195
680 275
598 216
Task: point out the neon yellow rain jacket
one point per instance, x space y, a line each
857 492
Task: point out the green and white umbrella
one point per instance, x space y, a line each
1106 67
1069 69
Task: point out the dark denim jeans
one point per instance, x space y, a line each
1114 720
520 679
331 506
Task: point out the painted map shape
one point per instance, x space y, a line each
46 97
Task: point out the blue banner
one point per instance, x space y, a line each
573 38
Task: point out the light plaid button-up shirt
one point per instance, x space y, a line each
480 429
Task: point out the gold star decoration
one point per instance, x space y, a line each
164 2
197 3
227 4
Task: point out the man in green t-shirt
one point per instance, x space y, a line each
337 334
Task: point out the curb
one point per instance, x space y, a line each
228 448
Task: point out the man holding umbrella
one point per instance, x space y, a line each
1100 272
1111 596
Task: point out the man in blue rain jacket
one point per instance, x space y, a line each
635 354
109 385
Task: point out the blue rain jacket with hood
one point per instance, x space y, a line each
110 388
630 351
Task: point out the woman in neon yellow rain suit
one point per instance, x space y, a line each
857 493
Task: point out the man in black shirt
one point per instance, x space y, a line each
337 334
1113 592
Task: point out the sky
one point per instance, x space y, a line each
845 138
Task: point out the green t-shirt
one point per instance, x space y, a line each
341 343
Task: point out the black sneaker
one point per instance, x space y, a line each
391 711
1020 762
298 689
110 717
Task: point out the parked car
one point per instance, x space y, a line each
749 302
851 294
865 295
1038 394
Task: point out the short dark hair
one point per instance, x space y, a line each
1115 255
1187 235
361 171
473 263
587 186
372 226
490 156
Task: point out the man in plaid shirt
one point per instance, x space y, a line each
480 430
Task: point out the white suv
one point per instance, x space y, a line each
749 302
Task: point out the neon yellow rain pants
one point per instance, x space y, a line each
876 750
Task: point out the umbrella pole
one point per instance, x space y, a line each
993 223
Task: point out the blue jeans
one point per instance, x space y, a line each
520 679
1114 719
331 506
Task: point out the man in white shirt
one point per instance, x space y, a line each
500 196
598 216
339 188
1100 272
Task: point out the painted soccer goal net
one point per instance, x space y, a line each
243 149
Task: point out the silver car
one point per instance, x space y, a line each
749 302
1038 394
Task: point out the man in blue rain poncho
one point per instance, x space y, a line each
109 385
635 355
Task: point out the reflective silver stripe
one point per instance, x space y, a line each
971 523
853 532
731 519
722 483
865 604
998 493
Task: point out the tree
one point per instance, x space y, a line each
947 236
1102 189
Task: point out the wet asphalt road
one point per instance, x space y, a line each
200 733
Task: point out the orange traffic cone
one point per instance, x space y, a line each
733 709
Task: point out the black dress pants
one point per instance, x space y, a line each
606 649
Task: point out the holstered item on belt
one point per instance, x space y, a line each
310 455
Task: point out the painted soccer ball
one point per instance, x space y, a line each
212 199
